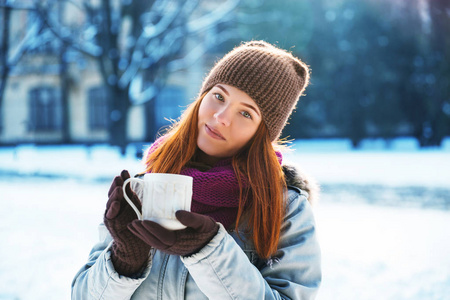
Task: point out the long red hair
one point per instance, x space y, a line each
261 204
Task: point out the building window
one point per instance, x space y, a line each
98 108
45 109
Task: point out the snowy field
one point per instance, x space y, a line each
383 218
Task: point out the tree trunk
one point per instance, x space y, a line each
119 118
64 85
4 59
109 67
150 124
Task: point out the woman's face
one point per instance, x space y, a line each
227 119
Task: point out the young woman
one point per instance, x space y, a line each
251 232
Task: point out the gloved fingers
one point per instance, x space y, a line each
120 204
166 236
196 221
145 231
117 182
115 195
136 228
125 175
135 199
113 210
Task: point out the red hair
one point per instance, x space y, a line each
261 205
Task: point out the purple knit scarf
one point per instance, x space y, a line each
215 191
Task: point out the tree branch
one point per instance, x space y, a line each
196 53
213 18
27 42
15 6
149 33
139 97
89 49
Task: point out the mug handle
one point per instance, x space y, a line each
139 215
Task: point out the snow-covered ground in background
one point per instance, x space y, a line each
52 199
329 161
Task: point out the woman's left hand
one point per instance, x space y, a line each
200 230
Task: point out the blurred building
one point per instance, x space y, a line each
54 96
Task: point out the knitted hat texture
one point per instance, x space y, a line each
271 76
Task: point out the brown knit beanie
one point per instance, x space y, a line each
271 76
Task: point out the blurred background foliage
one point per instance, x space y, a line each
380 69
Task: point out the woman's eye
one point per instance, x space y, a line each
219 97
246 114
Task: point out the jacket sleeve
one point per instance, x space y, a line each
98 279
223 271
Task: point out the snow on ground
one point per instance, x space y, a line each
331 162
400 165
390 253
48 227
52 200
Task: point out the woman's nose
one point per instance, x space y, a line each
223 116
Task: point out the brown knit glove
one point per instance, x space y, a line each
200 230
129 254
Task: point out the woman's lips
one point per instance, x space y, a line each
213 133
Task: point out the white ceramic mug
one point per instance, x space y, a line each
162 195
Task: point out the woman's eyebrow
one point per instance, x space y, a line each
243 103
251 106
223 89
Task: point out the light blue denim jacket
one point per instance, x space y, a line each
226 268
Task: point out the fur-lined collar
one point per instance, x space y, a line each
297 178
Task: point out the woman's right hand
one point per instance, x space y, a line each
129 254
117 207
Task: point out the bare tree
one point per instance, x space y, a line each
11 53
138 43
438 79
